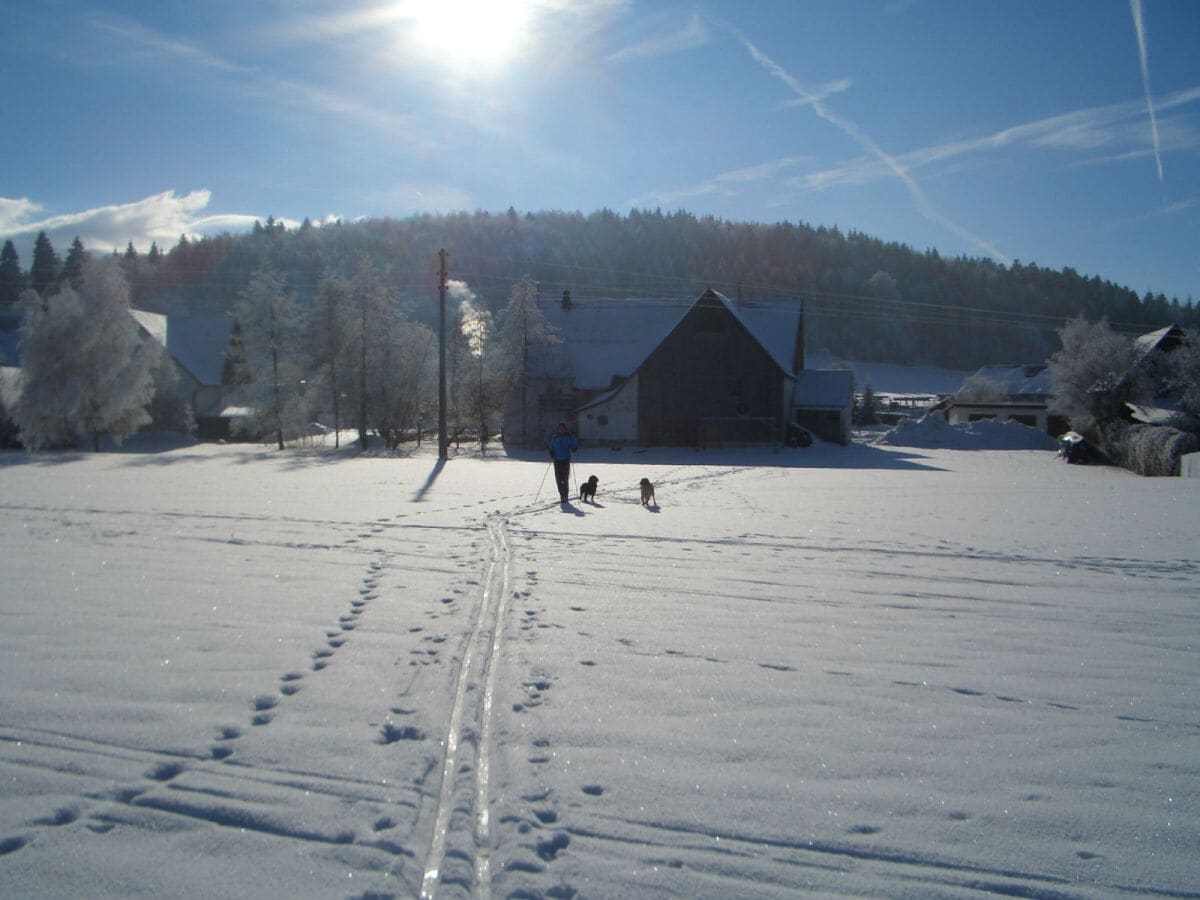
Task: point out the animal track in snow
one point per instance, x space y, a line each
64 815
12 844
165 771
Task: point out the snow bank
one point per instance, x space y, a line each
934 431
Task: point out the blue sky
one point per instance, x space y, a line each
1061 132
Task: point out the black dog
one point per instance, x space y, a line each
587 490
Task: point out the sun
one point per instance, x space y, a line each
467 34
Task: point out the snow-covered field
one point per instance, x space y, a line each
875 670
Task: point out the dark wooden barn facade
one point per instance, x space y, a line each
664 372
710 382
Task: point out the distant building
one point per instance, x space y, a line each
198 347
665 372
1006 394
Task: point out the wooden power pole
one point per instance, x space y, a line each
443 438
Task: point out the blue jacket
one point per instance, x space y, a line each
561 446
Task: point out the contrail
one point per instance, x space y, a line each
856 134
1135 7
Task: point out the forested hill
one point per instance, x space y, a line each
863 298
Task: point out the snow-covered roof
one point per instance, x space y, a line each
1163 338
1017 382
607 338
198 343
823 388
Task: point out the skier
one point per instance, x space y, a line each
562 445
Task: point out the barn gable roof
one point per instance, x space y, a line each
1164 339
198 343
604 341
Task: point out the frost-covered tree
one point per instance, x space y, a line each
329 335
1095 374
271 379
523 327
372 319
403 366
87 372
479 395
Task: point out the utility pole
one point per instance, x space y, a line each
443 441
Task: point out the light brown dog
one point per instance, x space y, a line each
647 493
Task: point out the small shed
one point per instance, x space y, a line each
823 403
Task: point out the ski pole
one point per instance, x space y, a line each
543 484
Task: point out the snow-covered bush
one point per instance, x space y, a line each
1148 449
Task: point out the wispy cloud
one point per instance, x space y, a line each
161 218
727 184
1135 7
691 36
14 212
890 163
252 82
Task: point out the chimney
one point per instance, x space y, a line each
566 300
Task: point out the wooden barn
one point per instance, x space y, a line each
663 372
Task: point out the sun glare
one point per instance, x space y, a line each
470 33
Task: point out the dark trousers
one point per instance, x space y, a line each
562 477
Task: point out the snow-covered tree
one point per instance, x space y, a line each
480 395
1095 374
271 377
87 372
523 326
329 337
404 378
373 317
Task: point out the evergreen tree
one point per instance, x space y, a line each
72 271
11 279
87 370
43 272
